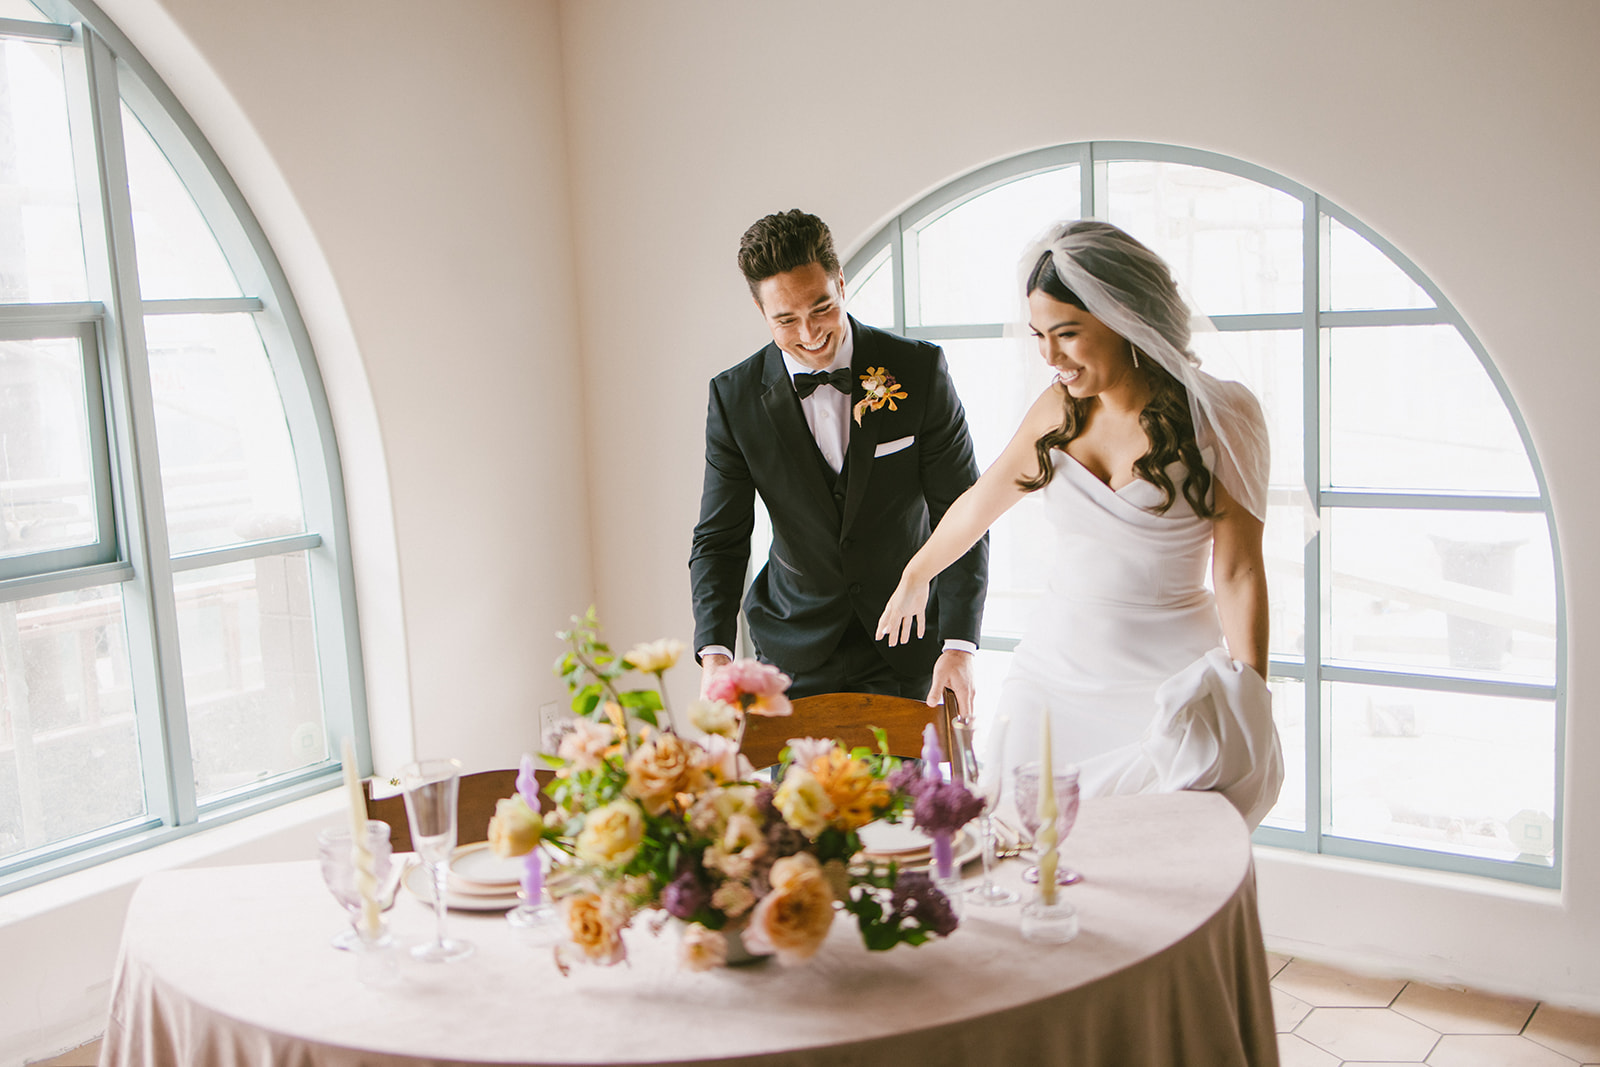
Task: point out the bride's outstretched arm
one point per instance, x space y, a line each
1239 573
967 519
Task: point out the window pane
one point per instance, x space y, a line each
249 671
998 379
1234 245
227 465
69 753
1289 713
1412 408
968 258
41 243
178 255
20 9
1356 276
870 298
46 472
1284 547
1270 363
1464 591
1473 775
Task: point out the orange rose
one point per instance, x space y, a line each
794 918
659 770
595 925
857 796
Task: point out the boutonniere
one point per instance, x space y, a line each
882 390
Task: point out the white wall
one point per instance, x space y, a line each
1462 131
416 164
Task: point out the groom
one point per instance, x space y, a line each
856 442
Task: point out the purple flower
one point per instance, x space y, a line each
916 897
906 777
943 807
683 896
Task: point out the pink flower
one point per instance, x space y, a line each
755 688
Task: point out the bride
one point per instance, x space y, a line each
1149 467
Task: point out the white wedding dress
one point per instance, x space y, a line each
1125 654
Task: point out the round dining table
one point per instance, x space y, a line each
230 966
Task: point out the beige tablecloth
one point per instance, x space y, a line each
231 966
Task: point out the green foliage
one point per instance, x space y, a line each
591 670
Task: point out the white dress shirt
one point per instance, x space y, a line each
827 410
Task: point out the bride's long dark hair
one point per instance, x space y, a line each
1165 419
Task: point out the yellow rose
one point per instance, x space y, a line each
716 717
713 808
595 925
611 833
659 770
515 829
857 796
804 803
794 918
701 948
656 656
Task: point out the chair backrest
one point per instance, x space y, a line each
477 796
849 718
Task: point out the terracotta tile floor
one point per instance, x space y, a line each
1328 1018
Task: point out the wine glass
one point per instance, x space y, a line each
984 779
339 872
1025 780
430 789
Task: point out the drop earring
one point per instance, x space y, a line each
1134 349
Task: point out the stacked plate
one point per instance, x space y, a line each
479 880
883 843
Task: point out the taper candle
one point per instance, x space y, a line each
361 857
1048 836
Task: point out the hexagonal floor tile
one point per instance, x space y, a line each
1276 963
1459 1011
1571 1033
1328 987
1367 1034
1293 1052
1493 1050
1287 1011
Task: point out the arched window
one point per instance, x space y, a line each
1418 653
177 638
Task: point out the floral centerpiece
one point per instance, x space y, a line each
647 818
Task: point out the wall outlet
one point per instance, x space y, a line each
550 719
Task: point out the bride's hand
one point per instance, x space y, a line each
907 606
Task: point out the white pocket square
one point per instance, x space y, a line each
889 448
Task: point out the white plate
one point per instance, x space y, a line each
966 847
419 880
479 868
885 839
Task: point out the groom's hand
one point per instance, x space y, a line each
710 664
953 670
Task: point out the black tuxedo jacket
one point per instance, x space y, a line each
838 543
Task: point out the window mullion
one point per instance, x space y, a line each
1311 450
149 609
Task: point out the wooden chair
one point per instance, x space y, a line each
849 717
477 797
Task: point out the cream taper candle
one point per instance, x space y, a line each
1047 838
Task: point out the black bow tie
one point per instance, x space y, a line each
806 384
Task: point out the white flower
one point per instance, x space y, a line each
656 656
804 751
716 717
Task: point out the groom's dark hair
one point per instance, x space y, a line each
784 242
